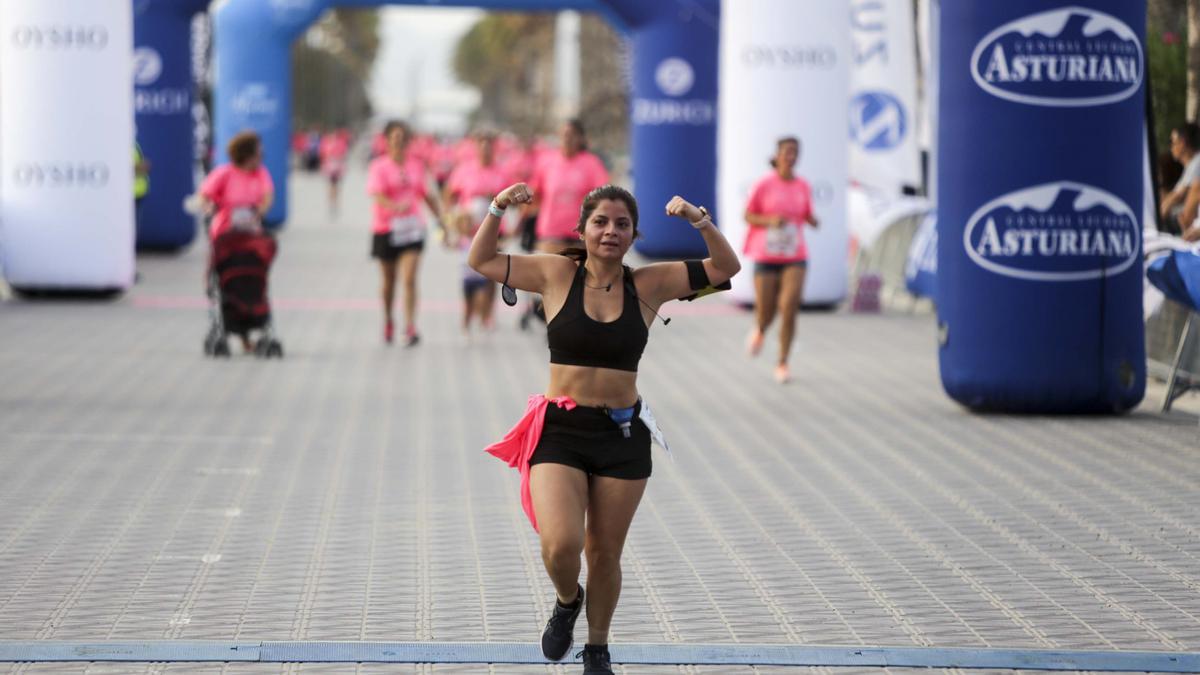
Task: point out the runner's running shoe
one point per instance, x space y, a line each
559 634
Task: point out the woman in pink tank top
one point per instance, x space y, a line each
237 195
780 206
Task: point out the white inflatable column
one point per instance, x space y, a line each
66 144
784 71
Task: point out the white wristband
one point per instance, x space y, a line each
495 210
702 223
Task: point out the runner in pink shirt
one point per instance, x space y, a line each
334 147
379 145
237 195
780 206
468 192
560 182
520 163
397 184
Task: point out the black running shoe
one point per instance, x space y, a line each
596 660
560 629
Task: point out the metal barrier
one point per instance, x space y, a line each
1173 350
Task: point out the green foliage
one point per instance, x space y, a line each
329 82
497 48
1168 78
326 91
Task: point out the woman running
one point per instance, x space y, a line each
779 207
396 183
584 474
468 191
334 147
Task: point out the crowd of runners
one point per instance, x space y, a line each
420 186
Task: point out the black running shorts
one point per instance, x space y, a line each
382 248
589 440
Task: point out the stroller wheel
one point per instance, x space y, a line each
209 346
221 349
261 348
275 349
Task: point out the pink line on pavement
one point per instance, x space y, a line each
372 304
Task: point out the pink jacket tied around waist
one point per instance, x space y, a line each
517 446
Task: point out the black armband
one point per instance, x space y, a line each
697 277
699 282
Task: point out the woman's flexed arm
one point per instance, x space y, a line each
669 281
526 272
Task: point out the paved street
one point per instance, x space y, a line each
149 493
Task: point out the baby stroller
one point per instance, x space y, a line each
237 291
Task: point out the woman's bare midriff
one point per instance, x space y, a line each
593 387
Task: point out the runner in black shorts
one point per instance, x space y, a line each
396 182
589 467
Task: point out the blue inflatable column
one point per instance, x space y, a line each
673 108
1039 279
162 78
252 41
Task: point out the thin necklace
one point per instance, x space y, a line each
606 288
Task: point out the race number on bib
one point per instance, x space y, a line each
479 209
406 230
243 218
782 241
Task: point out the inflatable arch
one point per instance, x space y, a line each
162 105
673 96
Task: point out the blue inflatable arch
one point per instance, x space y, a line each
162 103
674 92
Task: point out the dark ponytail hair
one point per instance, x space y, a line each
779 145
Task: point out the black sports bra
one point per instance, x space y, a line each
577 339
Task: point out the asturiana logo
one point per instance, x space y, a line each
1062 231
1072 56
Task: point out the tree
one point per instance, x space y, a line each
1193 59
1167 62
510 58
330 67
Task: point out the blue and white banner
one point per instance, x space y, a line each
784 67
1038 284
66 138
883 95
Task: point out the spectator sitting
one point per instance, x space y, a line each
1178 208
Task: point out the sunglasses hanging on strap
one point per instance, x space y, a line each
508 293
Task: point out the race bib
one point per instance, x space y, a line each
782 241
478 209
243 218
406 230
